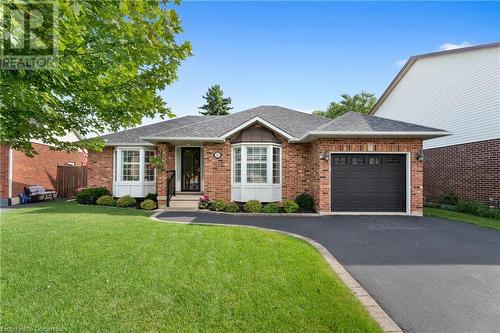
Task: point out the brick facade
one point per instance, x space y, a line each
38 170
471 170
320 169
296 169
303 168
100 169
4 175
217 172
42 168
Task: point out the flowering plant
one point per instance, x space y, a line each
204 202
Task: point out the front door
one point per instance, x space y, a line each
190 169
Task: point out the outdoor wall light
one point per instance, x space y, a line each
419 156
325 156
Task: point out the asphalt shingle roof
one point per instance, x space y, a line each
355 121
297 124
293 122
134 135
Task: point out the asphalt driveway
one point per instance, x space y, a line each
428 274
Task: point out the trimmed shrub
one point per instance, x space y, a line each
89 196
252 206
148 204
232 207
106 200
126 201
211 205
431 204
477 208
271 207
290 206
305 201
448 198
151 196
220 205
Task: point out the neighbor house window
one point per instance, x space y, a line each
276 165
149 170
237 165
257 165
131 165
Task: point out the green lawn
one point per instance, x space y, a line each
456 216
96 269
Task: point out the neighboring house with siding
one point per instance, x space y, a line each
354 163
458 91
18 170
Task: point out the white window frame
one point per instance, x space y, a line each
144 166
119 164
233 164
243 186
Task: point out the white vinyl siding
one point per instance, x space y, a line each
458 92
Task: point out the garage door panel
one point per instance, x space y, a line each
368 182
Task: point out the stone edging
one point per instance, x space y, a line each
378 314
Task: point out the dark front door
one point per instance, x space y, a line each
368 183
190 169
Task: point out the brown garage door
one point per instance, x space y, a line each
368 183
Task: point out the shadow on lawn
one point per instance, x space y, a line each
71 207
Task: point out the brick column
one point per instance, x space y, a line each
217 172
167 152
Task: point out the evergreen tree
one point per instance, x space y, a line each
216 104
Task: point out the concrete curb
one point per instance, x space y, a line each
378 314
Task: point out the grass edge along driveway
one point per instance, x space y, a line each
88 268
461 217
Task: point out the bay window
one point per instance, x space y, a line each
256 172
130 165
149 170
276 165
256 165
133 173
237 165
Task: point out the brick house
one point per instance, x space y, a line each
458 91
355 163
18 170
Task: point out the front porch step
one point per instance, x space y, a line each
185 201
181 209
185 197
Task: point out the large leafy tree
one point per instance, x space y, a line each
113 59
362 102
216 104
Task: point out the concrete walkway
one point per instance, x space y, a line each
428 274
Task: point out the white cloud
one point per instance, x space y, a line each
401 63
451 46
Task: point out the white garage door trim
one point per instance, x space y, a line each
408 182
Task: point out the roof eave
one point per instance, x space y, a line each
182 139
128 144
425 135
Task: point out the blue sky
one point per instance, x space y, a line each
303 55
